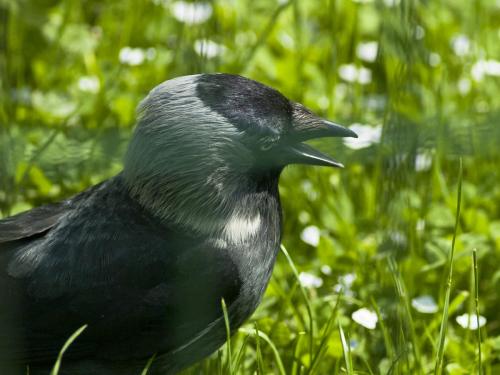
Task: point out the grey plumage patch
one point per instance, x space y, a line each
186 163
26 260
240 228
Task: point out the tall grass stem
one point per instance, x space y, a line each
444 321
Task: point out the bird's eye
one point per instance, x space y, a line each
267 144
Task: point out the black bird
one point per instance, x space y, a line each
145 257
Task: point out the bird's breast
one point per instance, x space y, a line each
240 229
252 243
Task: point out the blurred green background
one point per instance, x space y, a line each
418 80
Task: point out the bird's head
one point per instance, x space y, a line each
215 135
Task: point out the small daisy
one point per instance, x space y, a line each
308 280
365 317
469 321
310 235
425 304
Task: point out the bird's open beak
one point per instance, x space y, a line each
308 126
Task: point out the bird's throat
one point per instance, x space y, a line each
233 207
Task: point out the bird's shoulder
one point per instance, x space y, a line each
33 222
84 238
37 221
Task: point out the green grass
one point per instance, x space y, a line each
476 306
445 317
390 217
71 339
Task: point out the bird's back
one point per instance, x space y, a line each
142 287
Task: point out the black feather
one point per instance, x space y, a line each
142 287
32 222
247 104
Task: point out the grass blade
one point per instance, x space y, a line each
263 336
389 345
260 360
323 346
347 351
296 354
306 299
228 334
444 321
241 352
148 364
476 300
72 338
405 304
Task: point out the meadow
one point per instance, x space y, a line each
388 266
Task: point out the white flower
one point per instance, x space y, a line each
464 86
286 40
353 344
367 51
420 225
365 317
460 45
132 56
304 217
351 73
419 32
21 95
485 67
425 304
310 235
375 102
341 90
339 288
208 48
423 162
326 269
392 3
364 76
348 72
347 280
136 56
308 188
367 136
470 321
308 280
89 84
150 53
434 59
323 102
191 13
345 284
398 238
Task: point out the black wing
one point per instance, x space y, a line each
140 286
33 222
20 231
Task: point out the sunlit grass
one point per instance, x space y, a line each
67 344
476 307
445 317
427 97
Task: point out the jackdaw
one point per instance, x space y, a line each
145 257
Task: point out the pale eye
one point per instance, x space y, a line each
266 146
267 143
